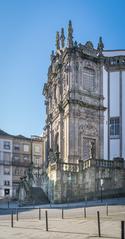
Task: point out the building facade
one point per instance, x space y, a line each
114 88
21 160
5 165
74 101
17 155
75 123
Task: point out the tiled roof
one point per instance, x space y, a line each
21 137
3 133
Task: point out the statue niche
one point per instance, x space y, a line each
89 148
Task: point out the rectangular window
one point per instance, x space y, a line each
16 157
16 171
6 145
6 157
6 192
16 147
114 127
37 149
37 160
26 157
7 170
7 183
26 148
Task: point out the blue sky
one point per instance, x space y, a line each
27 37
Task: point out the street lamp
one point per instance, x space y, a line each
101 183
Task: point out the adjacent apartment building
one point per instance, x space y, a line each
114 88
5 165
16 155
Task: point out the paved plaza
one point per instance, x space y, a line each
74 224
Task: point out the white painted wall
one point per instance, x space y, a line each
114 94
114 53
114 105
123 114
114 110
105 94
114 148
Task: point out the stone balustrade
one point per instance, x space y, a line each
82 165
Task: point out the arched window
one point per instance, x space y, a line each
88 79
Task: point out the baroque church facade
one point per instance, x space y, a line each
75 123
74 100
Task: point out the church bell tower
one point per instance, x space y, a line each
74 100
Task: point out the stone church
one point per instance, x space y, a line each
75 124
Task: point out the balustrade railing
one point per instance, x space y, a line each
82 165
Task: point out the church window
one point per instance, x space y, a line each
88 79
114 127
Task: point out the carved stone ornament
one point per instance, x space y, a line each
89 45
75 44
87 129
89 64
88 49
100 46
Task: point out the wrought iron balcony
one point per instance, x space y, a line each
20 163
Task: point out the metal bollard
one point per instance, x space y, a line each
107 209
122 230
17 215
12 219
46 214
99 229
84 212
39 213
62 213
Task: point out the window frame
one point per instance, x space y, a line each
114 127
6 145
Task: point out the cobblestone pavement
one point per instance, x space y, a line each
73 225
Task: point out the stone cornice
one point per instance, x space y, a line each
83 93
86 105
69 51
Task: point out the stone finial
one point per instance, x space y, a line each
70 35
75 44
100 46
62 38
57 41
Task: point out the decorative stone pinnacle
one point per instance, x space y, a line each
62 38
100 46
70 35
57 41
75 44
